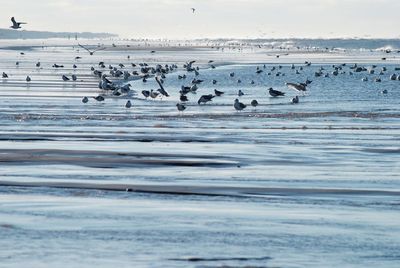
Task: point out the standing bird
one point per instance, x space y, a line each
128 104
240 93
4 75
85 100
193 10
28 79
238 105
254 103
99 98
295 100
180 107
65 78
16 25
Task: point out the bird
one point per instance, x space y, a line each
240 93
85 99
193 9
99 98
65 78
295 100
128 104
238 105
38 64
205 98
275 93
180 107
4 75
183 98
297 87
91 52
16 25
218 93
28 79
74 77
146 93
254 103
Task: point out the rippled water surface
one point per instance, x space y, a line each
314 184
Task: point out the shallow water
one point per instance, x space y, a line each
344 134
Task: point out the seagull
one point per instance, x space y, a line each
85 100
218 93
297 87
238 105
99 98
146 93
128 104
91 52
183 98
74 77
4 75
65 78
275 93
295 100
205 99
254 103
193 10
180 107
16 25
240 93
28 79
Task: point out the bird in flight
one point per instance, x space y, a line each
16 25
193 10
91 52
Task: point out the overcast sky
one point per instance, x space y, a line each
213 18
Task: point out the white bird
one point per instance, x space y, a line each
16 25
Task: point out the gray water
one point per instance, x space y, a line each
343 135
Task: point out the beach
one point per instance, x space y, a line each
313 184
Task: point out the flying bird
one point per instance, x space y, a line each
91 52
16 25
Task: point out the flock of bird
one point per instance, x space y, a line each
115 80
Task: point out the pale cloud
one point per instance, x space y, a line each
214 18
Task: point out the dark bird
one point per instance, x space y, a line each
85 100
275 93
205 98
254 103
295 100
146 93
218 93
238 105
193 9
4 75
128 104
16 25
65 78
180 107
91 52
183 98
99 98
240 93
